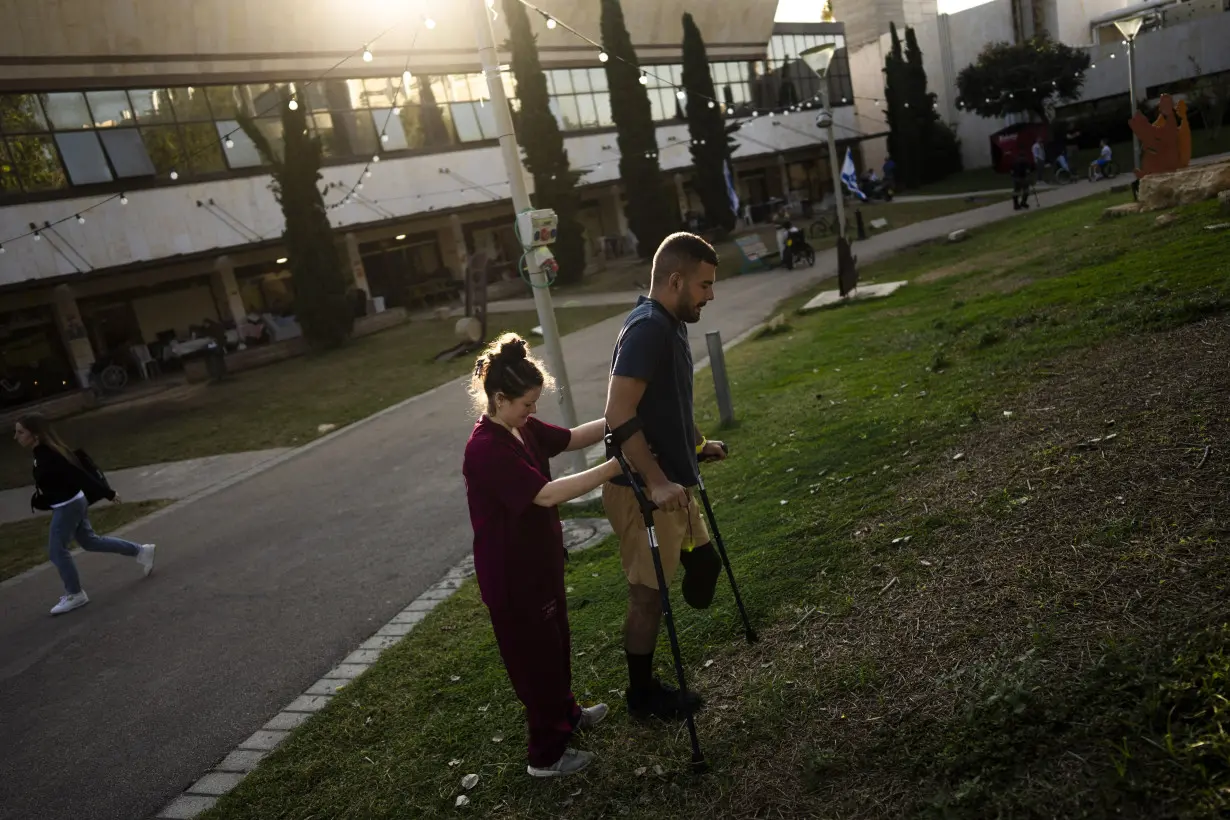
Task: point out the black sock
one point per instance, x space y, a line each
640 671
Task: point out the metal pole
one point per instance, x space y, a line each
521 202
1132 93
717 364
836 166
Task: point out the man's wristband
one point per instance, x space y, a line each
701 446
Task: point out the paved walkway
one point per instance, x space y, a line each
266 584
177 479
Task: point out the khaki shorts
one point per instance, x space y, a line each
672 531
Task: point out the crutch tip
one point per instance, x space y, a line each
752 637
699 766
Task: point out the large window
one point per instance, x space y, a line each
68 139
793 82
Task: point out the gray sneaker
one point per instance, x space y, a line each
591 716
572 762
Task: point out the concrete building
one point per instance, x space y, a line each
1182 40
119 144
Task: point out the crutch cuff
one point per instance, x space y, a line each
623 432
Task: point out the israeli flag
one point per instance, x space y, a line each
730 189
849 176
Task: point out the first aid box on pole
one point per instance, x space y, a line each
537 228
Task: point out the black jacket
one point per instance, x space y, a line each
56 479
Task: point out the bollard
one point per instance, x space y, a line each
862 230
717 364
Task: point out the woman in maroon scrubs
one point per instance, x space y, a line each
519 546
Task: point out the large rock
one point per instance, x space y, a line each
1184 187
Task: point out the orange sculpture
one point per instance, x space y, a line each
1165 145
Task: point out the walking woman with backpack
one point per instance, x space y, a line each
66 483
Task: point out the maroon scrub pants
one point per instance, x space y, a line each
537 652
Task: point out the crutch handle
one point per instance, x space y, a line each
642 501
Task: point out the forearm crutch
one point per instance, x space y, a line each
647 507
752 637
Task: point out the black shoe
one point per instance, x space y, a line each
662 701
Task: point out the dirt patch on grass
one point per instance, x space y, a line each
992 263
995 651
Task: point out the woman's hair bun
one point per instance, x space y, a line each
513 350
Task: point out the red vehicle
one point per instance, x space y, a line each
1006 142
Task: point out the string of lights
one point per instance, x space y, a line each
366 54
227 140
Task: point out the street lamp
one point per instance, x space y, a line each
1129 27
818 60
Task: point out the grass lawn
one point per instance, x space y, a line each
980 526
282 405
986 179
23 544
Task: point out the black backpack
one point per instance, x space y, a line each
97 488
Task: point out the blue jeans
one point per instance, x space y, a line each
72 521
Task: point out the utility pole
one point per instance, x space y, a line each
511 152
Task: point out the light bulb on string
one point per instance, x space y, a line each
293 105
38 237
367 173
603 56
551 24
174 175
712 103
230 143
367 54
375 157
123 199
80 219
430 23
384 138
406 77
681 94
2 249
644 78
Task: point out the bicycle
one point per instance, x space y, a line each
107 378
822 226
1108 171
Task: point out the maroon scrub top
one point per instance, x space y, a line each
518 545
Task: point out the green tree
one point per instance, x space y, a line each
555 183
901 137
938 152
707 127
321 305
649 211
1019 78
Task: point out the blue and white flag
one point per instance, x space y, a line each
849 176
730 189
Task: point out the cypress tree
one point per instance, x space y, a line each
321 305
545 157
707 127
901 137
649 212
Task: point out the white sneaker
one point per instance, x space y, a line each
146 558
572 762
592 716
70 602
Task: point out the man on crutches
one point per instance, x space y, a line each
649 415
